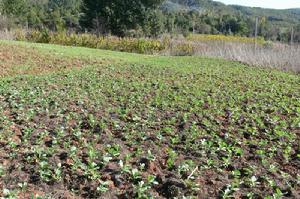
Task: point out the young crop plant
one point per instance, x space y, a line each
2 171
103 187
91 170
172 155
57 176
228 191
150 156
136 174
45 171
9 194
142 188
114 150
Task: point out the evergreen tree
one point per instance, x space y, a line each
116 16
154 23
16 8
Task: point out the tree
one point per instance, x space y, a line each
154 23
170 22
182 23
15 8
116 16
297 33
63 13
53 14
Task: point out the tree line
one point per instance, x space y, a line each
135 18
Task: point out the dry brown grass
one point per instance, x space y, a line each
7 35
278 56
273 55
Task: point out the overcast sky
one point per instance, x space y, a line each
278 4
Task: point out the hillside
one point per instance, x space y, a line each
147 20
279 17
201 5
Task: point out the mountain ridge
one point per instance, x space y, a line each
281 19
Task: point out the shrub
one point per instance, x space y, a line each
224 38
37 36
182 48
134 45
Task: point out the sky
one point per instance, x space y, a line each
277 4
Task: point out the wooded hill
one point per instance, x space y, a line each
149 18
285 16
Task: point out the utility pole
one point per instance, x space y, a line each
27 26
256 32
292 36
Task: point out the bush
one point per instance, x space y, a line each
134 45
38 36
224 38
182 49
165 45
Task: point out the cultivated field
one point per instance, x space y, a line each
88 123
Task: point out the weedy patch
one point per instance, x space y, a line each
22 60
149 127
225 38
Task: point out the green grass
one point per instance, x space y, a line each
141 126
